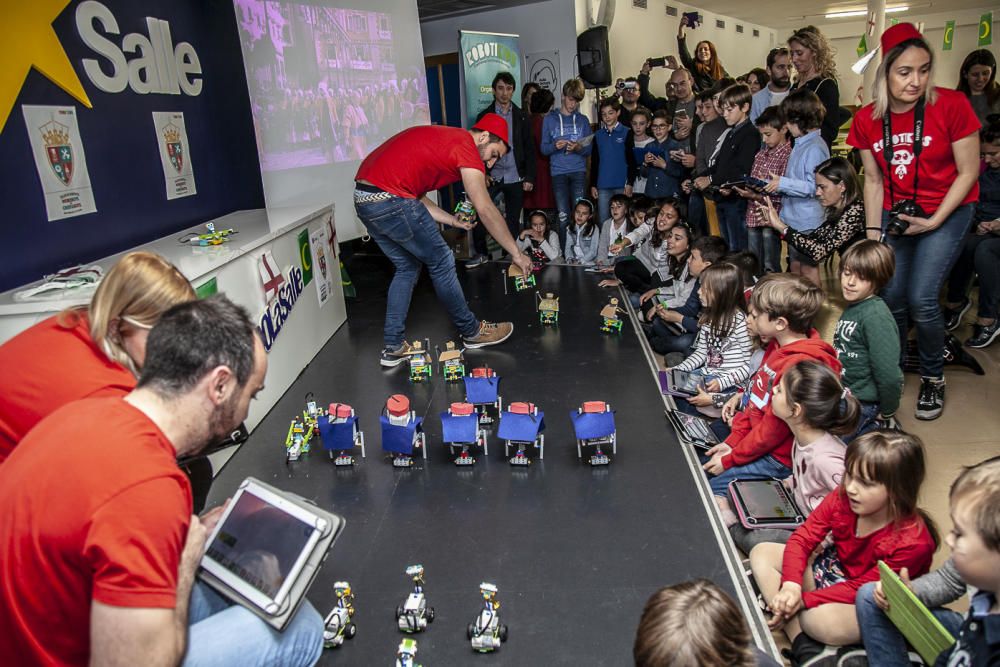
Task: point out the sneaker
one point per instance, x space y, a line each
930 402
392 357
490 333
856 656
475 262
807 652
953 316
984 334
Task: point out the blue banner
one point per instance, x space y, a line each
483 55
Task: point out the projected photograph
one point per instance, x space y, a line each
325 82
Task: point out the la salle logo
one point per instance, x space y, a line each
58 149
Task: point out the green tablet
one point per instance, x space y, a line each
913 618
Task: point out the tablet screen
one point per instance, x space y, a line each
259 543
687 383
767 500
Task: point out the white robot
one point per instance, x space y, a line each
414 614
339 625
487 633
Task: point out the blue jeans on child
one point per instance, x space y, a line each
867 421
567 188
884 644
408 235
766 244
766 467
732 222
223 633
922 263
604 203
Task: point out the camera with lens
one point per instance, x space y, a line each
908 207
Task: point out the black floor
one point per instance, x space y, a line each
575 551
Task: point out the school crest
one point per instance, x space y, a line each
58 150
174 145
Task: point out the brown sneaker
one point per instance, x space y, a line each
490 333
393 357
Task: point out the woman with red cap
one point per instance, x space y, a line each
919 192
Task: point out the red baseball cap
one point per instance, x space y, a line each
897 34
493 124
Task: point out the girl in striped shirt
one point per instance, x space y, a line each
722 349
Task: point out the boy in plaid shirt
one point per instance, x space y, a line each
771 159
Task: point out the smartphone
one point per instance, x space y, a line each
682 114
657 62
693 19
756 183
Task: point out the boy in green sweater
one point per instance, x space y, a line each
866 339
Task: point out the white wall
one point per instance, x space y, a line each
844 37
543 26
637 34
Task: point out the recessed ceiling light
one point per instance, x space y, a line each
862 12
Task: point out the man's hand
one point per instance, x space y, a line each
730 408
522 261
461 223
209 519
682 127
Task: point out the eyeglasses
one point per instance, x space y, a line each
660 125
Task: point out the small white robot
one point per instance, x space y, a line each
406 653
487 633
339 625
414 614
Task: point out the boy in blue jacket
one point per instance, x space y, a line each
565 133
608 165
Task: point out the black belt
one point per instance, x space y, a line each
364 187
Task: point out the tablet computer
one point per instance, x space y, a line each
924 632
765 503
693 429
266 549
680 383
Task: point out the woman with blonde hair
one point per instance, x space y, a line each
94 350
813 59
919 192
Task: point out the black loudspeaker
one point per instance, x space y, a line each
593 52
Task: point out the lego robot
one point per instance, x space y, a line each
521 281
482 388
521 426
406 653
594 425
414 614
402 432
548 308
312 412
421 366
339 433
452 363
487 633
338 624
460 428
610 322
297 440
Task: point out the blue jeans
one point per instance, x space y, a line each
223 633
409 237
766 467
922 263
766 244
567 188
604 203
732 222
664 341
867 421
696 212
884 644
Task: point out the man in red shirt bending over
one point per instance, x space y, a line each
98 546
390 198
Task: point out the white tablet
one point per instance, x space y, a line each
261 544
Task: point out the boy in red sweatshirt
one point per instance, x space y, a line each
782 309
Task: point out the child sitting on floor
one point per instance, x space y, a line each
674 291
873 516
539 241
866 338
582 237
613 230
782 309
722 348
811 400
652 265
693 624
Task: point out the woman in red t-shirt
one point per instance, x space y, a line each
94 350
939 176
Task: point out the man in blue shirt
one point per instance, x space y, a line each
778 64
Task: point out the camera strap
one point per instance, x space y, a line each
889 150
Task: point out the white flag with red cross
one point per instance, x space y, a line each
270 276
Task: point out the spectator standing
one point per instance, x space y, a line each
937 172
778 85
630 91
563 133
527 92
772 158
608 162
757 79
813 59
705 67
977 81
514 173
707 136
540 196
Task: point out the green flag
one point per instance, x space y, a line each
986 29
862 46
305 256
949 35
893 22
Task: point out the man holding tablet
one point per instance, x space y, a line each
98 548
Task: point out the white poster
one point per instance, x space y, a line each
175 154
60 160
322 264
543 69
